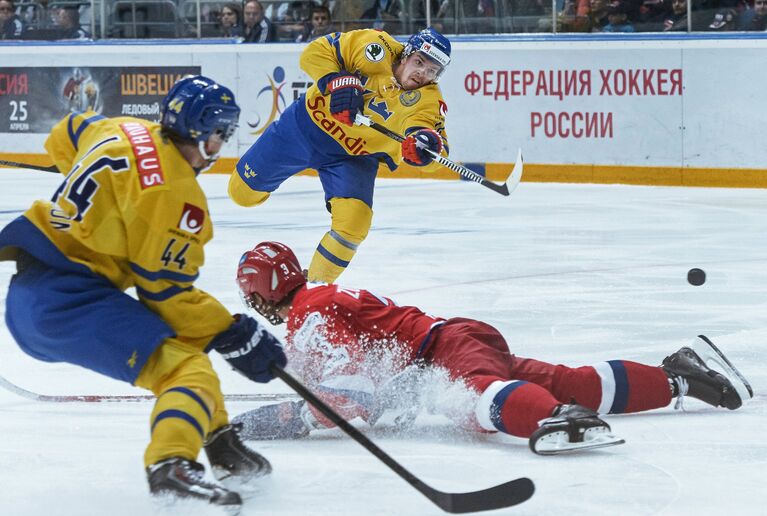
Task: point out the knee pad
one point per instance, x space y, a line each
350 218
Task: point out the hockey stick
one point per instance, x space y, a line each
503 188
114 398
16 164
503 495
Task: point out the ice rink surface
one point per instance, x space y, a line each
573 274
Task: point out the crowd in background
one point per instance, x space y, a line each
264 21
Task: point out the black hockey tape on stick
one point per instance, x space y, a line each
502 188
496 497
41 168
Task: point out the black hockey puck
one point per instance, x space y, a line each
696 277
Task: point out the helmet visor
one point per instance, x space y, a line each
436 57
223 120
429 68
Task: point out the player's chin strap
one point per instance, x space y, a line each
504 189
210 159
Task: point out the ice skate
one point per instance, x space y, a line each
703 372
232 462
572 428
183 478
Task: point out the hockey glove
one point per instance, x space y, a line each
276 421
350 396
249 348
414 147
345 96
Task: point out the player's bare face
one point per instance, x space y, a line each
416 71
214 144
202 155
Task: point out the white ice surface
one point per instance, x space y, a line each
569 273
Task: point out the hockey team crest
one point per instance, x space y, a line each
409 98
374 52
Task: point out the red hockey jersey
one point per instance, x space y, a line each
353 340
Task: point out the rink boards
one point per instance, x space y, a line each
652 110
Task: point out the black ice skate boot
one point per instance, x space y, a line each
572 428
184 478
233 463
690 374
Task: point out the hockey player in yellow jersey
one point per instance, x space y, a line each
130 213
363 71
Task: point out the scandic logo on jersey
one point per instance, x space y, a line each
355 146
192 218
148 163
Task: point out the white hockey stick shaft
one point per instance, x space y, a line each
123 398
501 188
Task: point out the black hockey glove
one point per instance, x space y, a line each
249 348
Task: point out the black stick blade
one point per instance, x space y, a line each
502 189
503 495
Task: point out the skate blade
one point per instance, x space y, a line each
247 487
557 443
168 504
715 359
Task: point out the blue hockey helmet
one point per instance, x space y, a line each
197 107
433 45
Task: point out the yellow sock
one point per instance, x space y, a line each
179 423
189 401
351 219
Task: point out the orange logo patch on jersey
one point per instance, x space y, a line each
144 150
192 219
442 108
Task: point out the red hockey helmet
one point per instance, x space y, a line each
266 275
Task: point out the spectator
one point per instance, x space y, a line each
11 26
724 20
677 20
67 20
66 25
349 13
293 19
599 15
617 18
33 15
231 21
257 28
759 19
319 25
385 15
652 14
574 16
438 11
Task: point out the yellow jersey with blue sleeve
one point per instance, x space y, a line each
371 55
130 209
